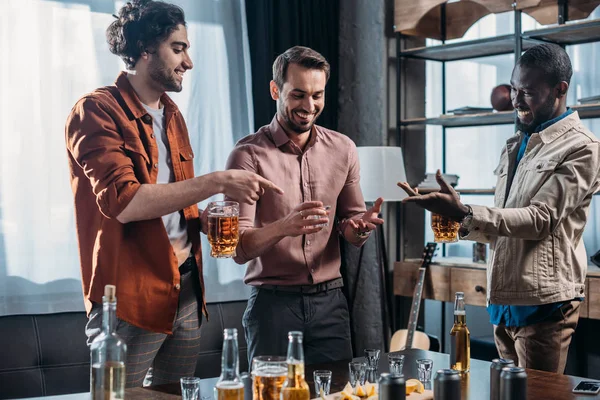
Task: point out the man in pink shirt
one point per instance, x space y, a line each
291 241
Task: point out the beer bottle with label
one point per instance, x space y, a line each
229 386
460 338
108 353
295 387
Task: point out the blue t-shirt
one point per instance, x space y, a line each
513 316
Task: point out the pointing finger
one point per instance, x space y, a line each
267 184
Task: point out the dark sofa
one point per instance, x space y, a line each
45 355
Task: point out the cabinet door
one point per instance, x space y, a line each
470 281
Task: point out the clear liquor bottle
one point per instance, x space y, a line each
108 353
229 386
295 386
460 338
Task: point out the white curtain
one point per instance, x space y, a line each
53 52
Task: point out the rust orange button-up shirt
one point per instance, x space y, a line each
112 152
328 171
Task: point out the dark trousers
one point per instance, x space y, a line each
322 317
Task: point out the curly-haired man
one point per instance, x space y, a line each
136 196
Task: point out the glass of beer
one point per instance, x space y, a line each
223 228
268 375
444 229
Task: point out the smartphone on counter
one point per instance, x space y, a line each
587 387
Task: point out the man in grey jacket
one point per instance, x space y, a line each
546 177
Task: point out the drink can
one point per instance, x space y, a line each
495 369
392 387
446 385
513 383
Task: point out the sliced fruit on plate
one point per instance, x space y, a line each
370 389
414 385
360 391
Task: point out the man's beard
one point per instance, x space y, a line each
163 77
543 114
294 127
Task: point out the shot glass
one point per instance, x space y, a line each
327 208
322 380
357 372
190 388
424 368
396 363
372 357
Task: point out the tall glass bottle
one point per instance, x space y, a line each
229 386
295 387
108 353
460 338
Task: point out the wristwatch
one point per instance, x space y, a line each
468 219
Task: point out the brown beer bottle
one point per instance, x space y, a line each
460 338
295 387
229 386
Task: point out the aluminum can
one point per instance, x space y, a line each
513 383
392 387
446 385
495 369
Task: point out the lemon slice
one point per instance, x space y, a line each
414 385
360 391
370 389
348 388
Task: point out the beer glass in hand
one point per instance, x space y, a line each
223 233
444 229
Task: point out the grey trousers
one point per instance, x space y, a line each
157 358
322 317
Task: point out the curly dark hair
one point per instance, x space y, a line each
303 56
141 26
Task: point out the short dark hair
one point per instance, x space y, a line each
303 56
550 58
141 26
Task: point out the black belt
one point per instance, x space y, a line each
306 289
188 265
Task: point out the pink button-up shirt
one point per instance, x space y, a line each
327 171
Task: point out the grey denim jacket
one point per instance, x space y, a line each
535 229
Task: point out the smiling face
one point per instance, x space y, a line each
169 62
534 100
301 99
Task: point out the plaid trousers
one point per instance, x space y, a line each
157 358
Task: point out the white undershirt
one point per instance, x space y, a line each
175 222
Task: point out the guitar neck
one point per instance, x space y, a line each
414 309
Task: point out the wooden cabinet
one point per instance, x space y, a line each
470 281
451 275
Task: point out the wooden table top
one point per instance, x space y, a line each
476 385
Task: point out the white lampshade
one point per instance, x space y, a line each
381 167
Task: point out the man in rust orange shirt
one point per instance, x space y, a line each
136 196
292 241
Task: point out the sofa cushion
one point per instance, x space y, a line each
47 354
222 316
43 355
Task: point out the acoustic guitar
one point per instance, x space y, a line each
410 337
